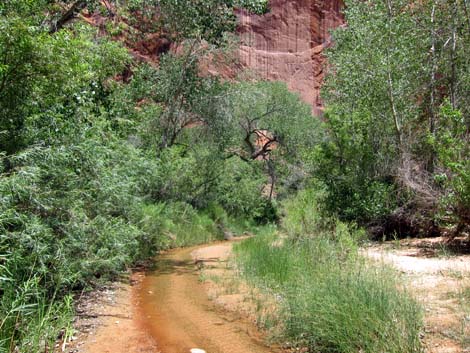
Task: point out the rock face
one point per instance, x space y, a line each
287 43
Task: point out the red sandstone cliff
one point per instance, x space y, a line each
287 43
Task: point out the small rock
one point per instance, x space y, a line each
228 235
197 350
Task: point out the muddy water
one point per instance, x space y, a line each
175 310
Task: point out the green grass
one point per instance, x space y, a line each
331 300
34 319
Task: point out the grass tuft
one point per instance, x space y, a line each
331 300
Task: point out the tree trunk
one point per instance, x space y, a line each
453 57
466 5
71 13
396 118
390 85
432 117
272 175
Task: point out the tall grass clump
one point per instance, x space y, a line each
331 299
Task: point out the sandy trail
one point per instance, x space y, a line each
441 283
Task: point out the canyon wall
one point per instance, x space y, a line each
287 43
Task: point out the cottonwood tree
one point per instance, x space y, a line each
175 19
392 68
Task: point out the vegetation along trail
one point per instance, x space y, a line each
129 128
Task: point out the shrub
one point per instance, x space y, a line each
357 178
65 220
303 214
176 224
244 199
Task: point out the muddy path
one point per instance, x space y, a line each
175 309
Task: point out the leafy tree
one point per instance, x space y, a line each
391 69
47 79
253 126
195 19
21 61
183 95
452 144
376 66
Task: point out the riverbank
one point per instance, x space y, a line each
440 279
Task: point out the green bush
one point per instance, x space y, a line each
453 174
177 224
357 178
65 221
244 199
303 213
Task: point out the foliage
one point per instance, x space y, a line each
329 298
391 69
183 97
453 149
358 187
375 67
65 220
47 80
303 214
99 173
207 20
262 106
371 96
176 224
252 126
258 7
201 127
245 198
